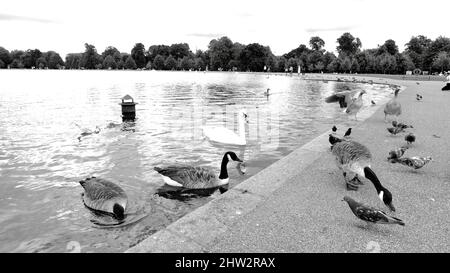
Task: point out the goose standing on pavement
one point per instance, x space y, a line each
356 105
370 214
104 196
393 107
354 159
190 177
227 136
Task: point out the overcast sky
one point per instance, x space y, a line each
64 26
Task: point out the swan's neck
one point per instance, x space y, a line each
223 168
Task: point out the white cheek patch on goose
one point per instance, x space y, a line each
223 181
171 182
381 195
229 158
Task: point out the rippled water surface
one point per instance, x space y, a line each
41 159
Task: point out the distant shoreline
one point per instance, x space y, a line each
313 76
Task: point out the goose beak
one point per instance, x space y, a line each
242 169
223 189
391 207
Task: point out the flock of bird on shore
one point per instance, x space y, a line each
354 159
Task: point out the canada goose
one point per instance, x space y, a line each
266 93
197 177
370 214
393 107
344 98
104 196
355 158
227 136
356 105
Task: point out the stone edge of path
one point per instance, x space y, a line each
197 230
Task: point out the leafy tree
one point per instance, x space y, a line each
220 53
170 63
138 55
2 64
348 44
179 51
41 63
386 63
148 66
346 64
53 60
440 44
199 64
73 60
121 65
316 43
16 63
388 47
156 50
5 57
90 58
30 57
281 64
130 63
111 51
109 62
254 57
187 63
442 61
416 48
334 65
292 62
158 62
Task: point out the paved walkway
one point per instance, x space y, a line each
295 204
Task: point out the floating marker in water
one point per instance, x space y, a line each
128 108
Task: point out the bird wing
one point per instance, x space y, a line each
347 152
101 189
370 214
188 176
354 107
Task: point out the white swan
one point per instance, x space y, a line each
227 136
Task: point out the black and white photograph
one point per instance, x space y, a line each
222 127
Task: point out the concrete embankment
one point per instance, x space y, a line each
295 204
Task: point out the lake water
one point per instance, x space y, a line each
41 159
